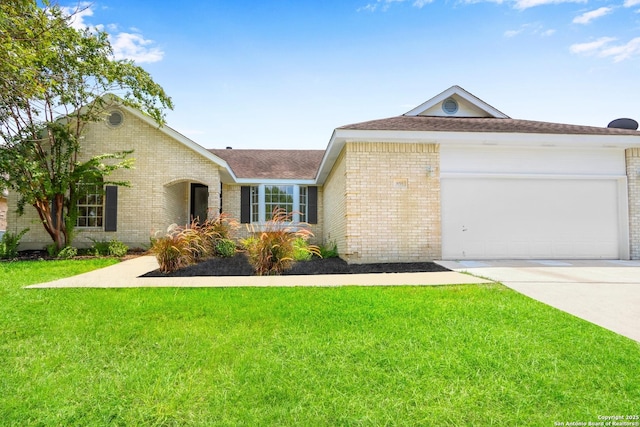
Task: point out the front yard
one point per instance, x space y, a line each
460 355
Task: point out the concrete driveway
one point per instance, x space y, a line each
603 292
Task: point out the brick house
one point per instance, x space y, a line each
453 178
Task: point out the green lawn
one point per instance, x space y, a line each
461 355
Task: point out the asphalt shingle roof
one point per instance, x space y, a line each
473 124
272 164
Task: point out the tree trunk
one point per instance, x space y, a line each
53 220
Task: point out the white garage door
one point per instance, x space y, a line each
507 218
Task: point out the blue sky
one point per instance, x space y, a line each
285 73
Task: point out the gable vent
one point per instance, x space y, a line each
450 106
115 118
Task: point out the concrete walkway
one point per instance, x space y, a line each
606 293
126 275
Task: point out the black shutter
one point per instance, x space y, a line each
111 208
245 204
312 208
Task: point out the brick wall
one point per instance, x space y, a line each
335 207
158 195
633 181
391 202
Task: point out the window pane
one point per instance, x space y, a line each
90 209
278 196
303 204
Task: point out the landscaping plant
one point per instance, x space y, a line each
67 252
183 246
273 250
330 251
112 247
9 243
301 250
179 248
225 248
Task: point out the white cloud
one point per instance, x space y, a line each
125 45
384 5
512 33
631 3
587 17
604 48
77 14
526 4
535 29
590 48
135 47
624 51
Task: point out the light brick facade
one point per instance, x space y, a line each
633 182
159 192
390 208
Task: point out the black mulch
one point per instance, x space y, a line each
239 266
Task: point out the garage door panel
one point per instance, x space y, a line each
529 218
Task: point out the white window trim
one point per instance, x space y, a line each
262 214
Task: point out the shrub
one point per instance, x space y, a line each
100 247
10 242
112 247
330 251
225 248
52 250
272 250
67 252
301 250
117 248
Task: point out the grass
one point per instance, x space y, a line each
462 355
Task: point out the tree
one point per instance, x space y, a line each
53 82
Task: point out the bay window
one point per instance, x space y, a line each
259 201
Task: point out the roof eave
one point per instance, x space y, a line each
341 136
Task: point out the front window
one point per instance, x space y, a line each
266 198
90 206
278 196
303 204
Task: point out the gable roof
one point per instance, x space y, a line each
482 124
226 173
272 164
471 105
473 121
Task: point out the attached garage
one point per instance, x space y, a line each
512 202
492 187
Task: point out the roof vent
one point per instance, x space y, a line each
115 118
623 124
450 106
229 148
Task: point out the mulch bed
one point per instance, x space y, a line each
239 266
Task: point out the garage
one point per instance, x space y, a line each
522 206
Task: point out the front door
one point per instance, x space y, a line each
199 202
